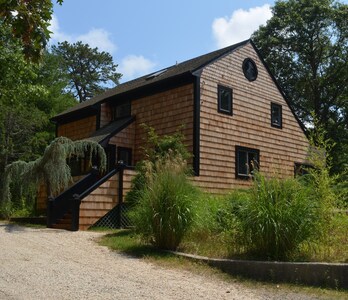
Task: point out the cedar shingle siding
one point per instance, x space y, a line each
250 125
187 95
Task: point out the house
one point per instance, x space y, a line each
234 115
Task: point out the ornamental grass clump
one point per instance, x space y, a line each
164 211
278 217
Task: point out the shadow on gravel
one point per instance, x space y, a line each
127 242
12 228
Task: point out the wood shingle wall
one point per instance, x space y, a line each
166 112
249 126
103 199
79 129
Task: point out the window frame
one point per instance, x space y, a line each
129 152
237 155
274 124
301 168
220 109
115 113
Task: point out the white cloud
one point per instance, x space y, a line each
96 37
133 66
57 35
240 26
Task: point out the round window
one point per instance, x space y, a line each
249 69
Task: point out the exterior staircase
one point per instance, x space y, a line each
85 202
65 222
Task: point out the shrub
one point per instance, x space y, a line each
157 147
164 211
277 218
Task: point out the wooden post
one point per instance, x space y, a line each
120 194
75 217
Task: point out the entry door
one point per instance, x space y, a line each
110 156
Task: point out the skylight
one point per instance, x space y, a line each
156 74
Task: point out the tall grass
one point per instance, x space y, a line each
277 218
164 211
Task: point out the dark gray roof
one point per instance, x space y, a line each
105 133
188 66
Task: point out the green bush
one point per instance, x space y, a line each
277 218
156 147
164 211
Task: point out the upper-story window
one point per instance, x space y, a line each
121 110
224 100
276 115
249 69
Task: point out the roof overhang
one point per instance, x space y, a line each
103 135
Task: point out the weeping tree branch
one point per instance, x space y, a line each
52 168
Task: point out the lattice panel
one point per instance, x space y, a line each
115 218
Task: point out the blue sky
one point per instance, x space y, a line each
145 36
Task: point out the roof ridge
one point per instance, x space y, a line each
185 67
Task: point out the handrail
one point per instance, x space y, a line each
79 185
58 206
71 198
98 183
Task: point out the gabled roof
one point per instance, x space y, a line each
177 70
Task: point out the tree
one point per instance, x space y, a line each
51 169
305 44
29 21
90 71
18 116
30 94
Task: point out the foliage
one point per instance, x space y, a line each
319 178
51 169
278 217
30 95
156 147
89 71
305 45
164 211
29 22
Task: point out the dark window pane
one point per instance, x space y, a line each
252 162
242 163
276 115
224 100
121 110
124 155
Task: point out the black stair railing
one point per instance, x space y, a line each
70 200
65 202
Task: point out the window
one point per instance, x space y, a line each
224 100
156 74
124 155
247 160
121 110
301 169
276 115
81 165
249 69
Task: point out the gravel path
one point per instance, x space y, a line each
57 264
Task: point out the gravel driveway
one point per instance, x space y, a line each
57 264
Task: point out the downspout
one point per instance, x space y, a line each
196 124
